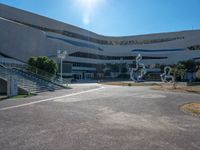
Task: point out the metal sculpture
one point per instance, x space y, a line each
166 76
139 67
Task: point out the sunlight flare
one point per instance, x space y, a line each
88 8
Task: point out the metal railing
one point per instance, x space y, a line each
9 63
28 82
17 65
54 78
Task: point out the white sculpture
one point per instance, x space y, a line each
139 65
166 76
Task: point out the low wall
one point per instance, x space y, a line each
180 84
193 83
3 88
22 91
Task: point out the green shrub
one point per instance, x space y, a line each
198 74
43 63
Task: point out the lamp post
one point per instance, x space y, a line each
61 55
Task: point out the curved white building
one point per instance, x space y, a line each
24 34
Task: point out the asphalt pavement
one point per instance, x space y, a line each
96 117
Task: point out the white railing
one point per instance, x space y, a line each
9 62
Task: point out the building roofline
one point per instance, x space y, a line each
97 34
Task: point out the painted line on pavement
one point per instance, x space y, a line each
50 99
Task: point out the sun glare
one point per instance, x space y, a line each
88 5
88 8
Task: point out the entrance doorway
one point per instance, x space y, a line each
77 76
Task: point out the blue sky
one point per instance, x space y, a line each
118 17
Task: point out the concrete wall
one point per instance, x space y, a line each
3 86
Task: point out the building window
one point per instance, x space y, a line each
193 48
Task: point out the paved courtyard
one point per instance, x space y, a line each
95 117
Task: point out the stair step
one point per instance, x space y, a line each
30 82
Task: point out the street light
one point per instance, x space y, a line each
61 55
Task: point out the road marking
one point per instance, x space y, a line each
50 99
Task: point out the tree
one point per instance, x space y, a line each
198 74
178 71
43 63
190 65
52 66
32 61
197 66
114 67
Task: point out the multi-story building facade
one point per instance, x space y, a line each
24 34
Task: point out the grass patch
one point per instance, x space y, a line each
128 84
193 108
22 96
194 89
2 97
17 97
185 89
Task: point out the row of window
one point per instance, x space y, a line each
80 44
159 50
103 42
135 42
102 57
196 58
196 47
77 64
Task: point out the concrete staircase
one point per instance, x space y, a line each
28 81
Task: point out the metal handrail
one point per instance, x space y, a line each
30 83
44 75
12 63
